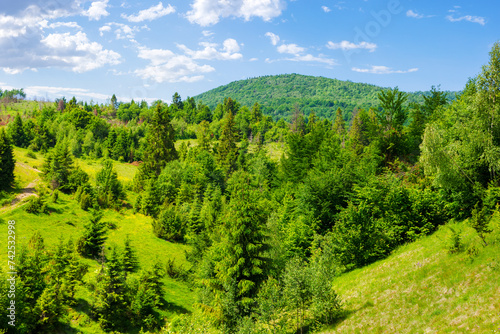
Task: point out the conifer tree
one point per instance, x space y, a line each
227 151
160 143
339 124
16 132
7 162
239 260
93 237
129 258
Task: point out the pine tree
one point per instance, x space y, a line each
339 124
93 237
129 258
160 143
227 151
109 188
7 162
16 132
239 261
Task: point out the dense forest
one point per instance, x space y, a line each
280 95
265 233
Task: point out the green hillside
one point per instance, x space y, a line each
423 288
278 94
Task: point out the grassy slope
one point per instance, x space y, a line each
423 289
66 219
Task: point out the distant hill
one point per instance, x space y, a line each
278 94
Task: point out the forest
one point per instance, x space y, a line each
232 220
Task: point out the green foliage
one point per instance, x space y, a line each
160 143
60 172
7 162
36 205
480 221
90 244
227 152
277 95
108 189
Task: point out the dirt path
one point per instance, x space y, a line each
27 191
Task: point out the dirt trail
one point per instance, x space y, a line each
27 191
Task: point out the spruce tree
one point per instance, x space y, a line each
16 131
227 152
93 237
339 125
7 162
129 258
238 256
160 143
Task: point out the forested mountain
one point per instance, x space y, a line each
279 94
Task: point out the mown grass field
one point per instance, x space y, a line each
421 288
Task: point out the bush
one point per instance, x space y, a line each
31 154
455 244
36 205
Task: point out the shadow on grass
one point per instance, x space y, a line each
346 313
172 307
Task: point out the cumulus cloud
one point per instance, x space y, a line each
273 37
121 30
167 66
293 49
55 25
150 14
326 9
382 70
26 46
209 12
346 45
474 19
229 51
97 10
314 59
77 52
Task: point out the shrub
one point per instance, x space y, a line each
31 154
36 205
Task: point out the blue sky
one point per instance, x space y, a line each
150 49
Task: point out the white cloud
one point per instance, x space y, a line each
413 14
311 58
469 18
53 92
97 10
104 29
273 37
253 59
122 31
209 12
325 9
207 33
77 52
382 70
150 14
293 49
44 24
346 45
26 46
230 51
166 66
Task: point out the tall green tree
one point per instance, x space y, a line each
227 151
238 253
160 141
392 113
94 236
108 188
7 162
16 132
